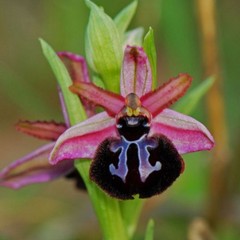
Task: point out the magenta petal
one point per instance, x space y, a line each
42 129
110 101
82 140
136 75
166 94
186 133
76 66
33 168
64 108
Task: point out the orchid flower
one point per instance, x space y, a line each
135 144
34 167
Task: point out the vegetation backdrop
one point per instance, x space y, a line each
206 197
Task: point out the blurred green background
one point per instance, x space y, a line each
28 91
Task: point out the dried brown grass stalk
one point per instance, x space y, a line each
215 109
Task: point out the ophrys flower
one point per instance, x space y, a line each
34 167
135 145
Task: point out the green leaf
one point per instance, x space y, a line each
189 102
123 19
75 109
134 37
149 235
150 49
103 47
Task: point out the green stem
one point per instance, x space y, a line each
130 213
106 208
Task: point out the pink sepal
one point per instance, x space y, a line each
33 168
166 94
186 133
82 140
42 129
136 75
77 68
110 101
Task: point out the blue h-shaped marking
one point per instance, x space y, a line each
145 168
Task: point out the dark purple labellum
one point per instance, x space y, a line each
135 163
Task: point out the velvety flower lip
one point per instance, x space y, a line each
186 133
34 167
